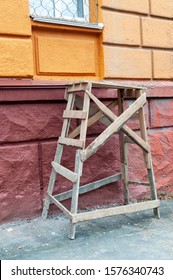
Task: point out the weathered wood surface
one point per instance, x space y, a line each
123 150
142 122
138 183
129 132
113 128
57 158
105 84
77 87
84 123
66 122
71 142
89 187
75 193
63 171
74 114
116 124
97 116
118 210
60 206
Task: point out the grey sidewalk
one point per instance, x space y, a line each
130 237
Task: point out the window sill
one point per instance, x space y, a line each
69 23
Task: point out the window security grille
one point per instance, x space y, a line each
83 11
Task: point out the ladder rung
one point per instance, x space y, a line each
68 174
71 142
75 114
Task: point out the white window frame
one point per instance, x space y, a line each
51 17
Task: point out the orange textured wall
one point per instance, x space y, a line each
45 51
135 43
66 52
137 39
15 39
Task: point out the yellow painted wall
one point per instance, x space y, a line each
45 51
137 39
135 43
16 53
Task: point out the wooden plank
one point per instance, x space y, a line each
147 156
107 84
118 210
129 93
98 116
97 184
135 138
113 85
142 121
101 106
63 171
123 151
129 132
66 94
153 188
52 179
113 128
76 87
84 123
75 192
89 187
75 114
66 122
60 206
128 140
71 142
138 183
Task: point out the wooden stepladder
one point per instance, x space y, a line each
88 115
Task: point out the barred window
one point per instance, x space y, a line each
80 11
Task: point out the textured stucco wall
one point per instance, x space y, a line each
137 39
16 54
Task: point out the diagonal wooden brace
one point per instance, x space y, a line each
113 128
98 115
128 131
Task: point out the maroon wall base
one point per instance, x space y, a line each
30 123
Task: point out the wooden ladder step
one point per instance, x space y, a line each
75 114
71 142
68 174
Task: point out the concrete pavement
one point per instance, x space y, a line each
131 237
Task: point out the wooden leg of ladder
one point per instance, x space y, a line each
75 193
124 168
147 156
153 188
123 153
52 179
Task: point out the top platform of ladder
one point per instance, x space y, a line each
108 84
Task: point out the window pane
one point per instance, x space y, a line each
74 10
42 8
69 8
